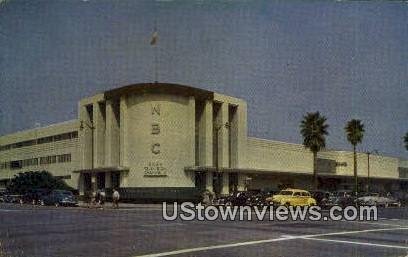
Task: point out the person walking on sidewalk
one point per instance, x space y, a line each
102 197
115 198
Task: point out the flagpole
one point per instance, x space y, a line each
156 72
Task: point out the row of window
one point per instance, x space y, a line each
19 164
43 140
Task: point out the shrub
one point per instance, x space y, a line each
26 181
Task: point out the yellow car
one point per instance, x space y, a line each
292 197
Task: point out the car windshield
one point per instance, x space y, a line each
284 192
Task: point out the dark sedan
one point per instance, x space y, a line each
60 198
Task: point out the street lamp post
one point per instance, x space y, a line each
368 168
92 127
217 129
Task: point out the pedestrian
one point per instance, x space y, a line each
206 197
88 198
98 197
102 197
115 198
211 197
93 199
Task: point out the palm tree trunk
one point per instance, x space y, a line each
314 170
355 169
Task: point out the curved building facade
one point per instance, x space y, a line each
170 141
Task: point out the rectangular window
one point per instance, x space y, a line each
30 162
43 160
57 138
66 136
43 140
28 143
16 164
64 158
4 165
4 147
18 145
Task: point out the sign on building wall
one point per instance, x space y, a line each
155 167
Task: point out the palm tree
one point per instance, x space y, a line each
313 128
406 141
355 133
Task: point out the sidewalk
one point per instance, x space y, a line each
108 205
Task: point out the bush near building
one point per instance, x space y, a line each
24 182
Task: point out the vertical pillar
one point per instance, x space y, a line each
223 137
242 137
223 146
99 133
85 138
81 185
192 103
123 179
112 134
241 182
225 183
108 180
123 130
206 135
209 181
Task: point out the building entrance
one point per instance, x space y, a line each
87 182
100 180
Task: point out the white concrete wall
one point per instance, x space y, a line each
70 146
160 131
278 156
380 166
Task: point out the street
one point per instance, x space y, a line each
140 231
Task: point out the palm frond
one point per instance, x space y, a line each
355 131
406 141
313 128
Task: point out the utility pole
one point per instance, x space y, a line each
368 168
368 171
217 165
92 127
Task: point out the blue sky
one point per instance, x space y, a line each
285 58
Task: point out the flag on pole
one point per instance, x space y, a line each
155 37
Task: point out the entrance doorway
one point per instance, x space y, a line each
87 182
100 180
200 181
115 178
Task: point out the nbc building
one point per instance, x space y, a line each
169 141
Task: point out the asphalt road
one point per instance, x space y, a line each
49 231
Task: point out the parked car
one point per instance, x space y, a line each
2 193
292 197
12 198
320 196
223 200
341 198
239 198
257 199
375 199
60 198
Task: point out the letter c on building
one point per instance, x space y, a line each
156 148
